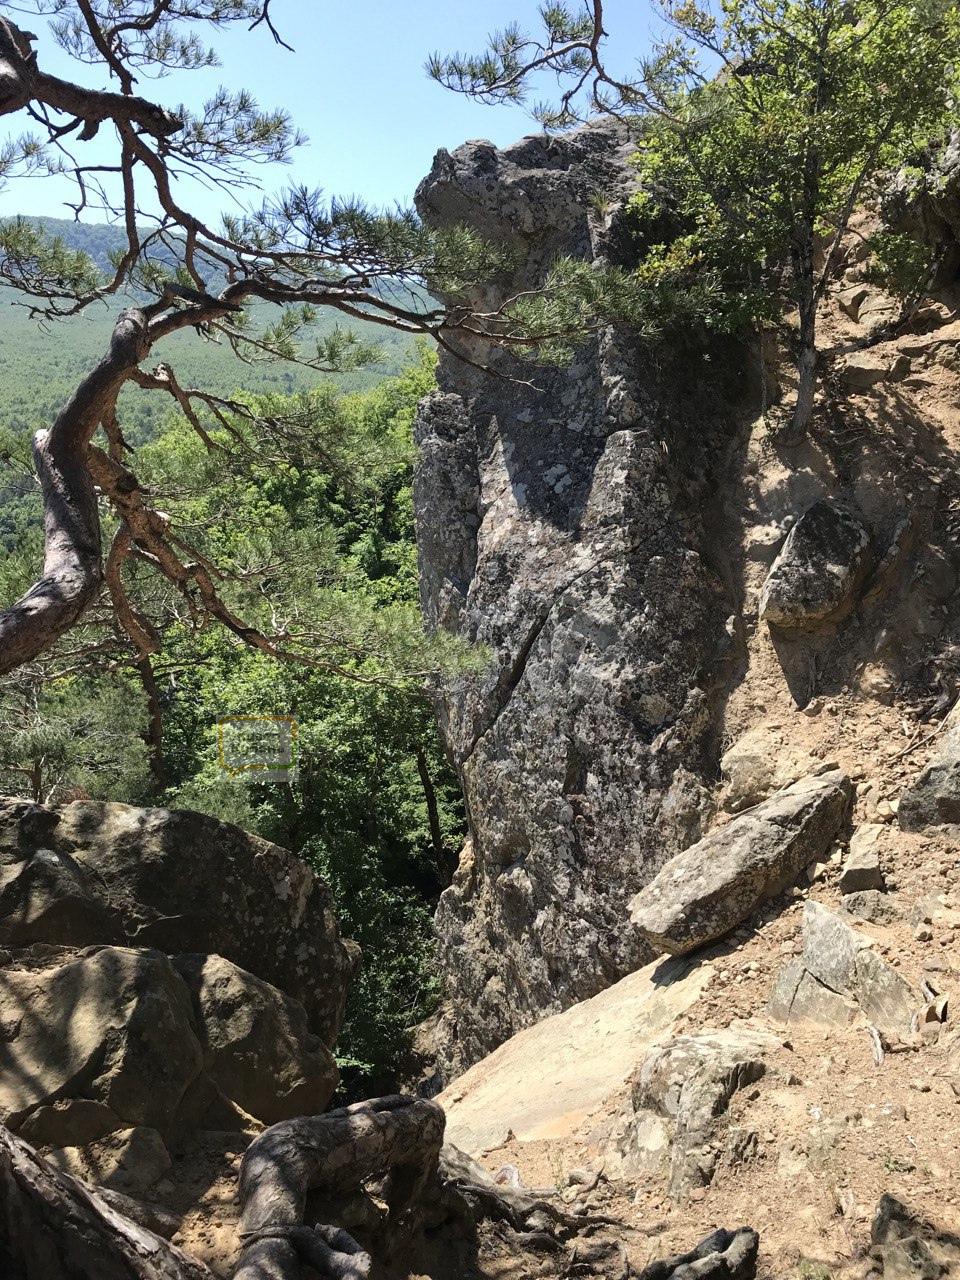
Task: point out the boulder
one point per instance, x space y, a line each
114 1026
863 369
92 873
934 799
799 997
820 569
547 1078
841 979
861 867
712 887
71 1122
908 1247
256 1045
689 1082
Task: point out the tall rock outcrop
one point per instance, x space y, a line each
561 520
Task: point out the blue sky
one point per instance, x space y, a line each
355 85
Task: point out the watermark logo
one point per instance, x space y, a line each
263 746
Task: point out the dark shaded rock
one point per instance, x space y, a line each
934 799
256 1045
114 1026
561 525
72 1122
908 1247
817 575
712 887
105 873
724 1255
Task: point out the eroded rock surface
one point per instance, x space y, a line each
712 887
687 1083
560 518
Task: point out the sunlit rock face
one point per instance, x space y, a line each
561 517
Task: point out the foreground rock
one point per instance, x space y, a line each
679 1097
175 881
114 1027
562 526
711 888
99 1038
841 979
907 1247
547 1078
934 799
819 570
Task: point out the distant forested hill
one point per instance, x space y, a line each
41 366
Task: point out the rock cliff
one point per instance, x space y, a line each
560 516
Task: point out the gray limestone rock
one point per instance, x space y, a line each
840 979
861 867
712 887
560 521
830 947
819 570
798 997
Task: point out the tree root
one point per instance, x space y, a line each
51 1225
397 1137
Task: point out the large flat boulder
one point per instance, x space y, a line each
89 873
544 1081
712 887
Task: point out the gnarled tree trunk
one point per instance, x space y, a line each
53 1227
